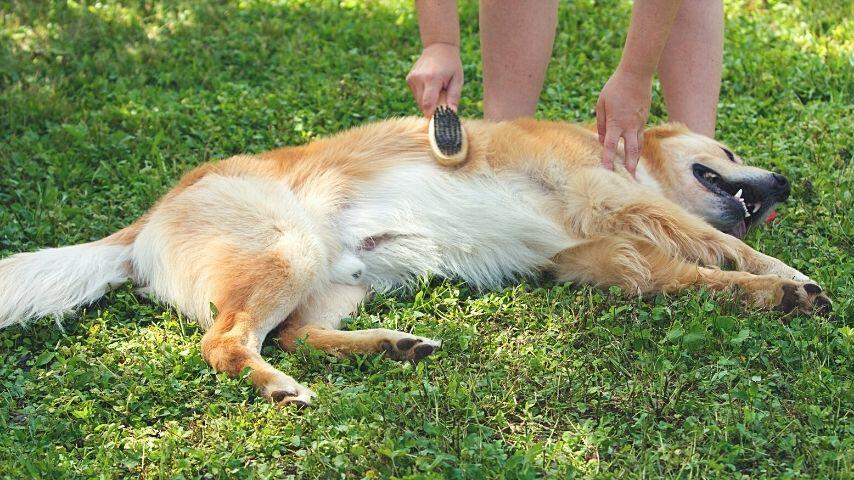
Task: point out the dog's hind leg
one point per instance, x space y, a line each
644 268
233 344
252 249
318 319
254 292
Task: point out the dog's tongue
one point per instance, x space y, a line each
739 230
771 216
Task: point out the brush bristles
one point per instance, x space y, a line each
447 131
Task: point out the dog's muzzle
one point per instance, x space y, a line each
742 202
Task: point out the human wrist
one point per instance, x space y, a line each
635 72
441 44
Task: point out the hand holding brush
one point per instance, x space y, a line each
447 137
436 81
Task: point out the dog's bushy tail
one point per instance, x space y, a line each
55 281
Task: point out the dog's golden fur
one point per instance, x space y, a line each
218 235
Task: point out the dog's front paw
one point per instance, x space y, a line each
805 297
784 295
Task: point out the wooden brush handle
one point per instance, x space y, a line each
447 159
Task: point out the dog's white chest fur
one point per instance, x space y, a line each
483 228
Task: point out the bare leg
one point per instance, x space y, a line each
516 38
690 65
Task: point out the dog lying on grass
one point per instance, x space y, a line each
298 236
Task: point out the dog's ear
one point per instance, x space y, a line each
666 130
652 137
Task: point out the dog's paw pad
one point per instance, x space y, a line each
422 351
407 343
823 305
284 397
790 299
412 349
816 300
807 297
283 390
280 395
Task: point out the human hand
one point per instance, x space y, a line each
438 70
621 112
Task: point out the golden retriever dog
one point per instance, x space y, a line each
297 237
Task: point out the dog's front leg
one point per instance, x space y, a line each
602 204
639 267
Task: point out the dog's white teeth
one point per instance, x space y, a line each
746 214
738 194
756 208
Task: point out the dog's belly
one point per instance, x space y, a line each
483 228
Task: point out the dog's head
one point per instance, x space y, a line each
706 178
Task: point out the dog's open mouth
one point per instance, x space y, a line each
740 198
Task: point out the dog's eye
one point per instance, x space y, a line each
729 154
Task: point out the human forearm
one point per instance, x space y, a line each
437 76
650 27
438 22
623 105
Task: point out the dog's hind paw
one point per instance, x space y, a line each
284 390
409 347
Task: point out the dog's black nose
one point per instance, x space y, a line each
781 180
782 189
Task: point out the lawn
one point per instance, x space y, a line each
104 105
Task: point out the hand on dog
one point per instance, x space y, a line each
439 69
621 112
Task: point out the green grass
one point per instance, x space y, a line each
103 106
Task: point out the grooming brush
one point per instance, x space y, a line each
447 137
